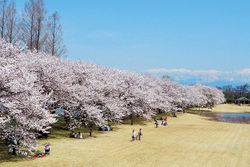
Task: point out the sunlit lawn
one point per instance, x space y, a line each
231 108
189 140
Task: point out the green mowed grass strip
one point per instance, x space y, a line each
189 140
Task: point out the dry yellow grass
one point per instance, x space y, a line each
189 140
231 108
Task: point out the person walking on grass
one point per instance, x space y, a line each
133 135
140 134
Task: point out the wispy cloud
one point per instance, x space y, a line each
211 75
245 72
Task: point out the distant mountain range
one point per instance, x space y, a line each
209 77
219 83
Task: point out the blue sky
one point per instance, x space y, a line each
201 39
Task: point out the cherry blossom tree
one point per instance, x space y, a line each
33 85
22 111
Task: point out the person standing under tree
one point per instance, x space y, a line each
156 123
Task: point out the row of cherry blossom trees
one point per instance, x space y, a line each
33 85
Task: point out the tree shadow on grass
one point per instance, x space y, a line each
136 121
60 133
5 156
198 112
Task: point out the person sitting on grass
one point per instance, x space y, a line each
47 149
80 135
164 123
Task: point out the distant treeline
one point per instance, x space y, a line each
234 92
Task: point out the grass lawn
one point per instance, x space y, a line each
189 140
228 108
231 108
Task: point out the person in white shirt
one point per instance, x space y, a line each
133 135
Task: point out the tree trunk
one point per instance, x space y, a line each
132 119
90 131
14 151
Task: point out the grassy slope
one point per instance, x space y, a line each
189 140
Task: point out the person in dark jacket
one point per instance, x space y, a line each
140 134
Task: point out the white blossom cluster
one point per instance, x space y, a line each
34 84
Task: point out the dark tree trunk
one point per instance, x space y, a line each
132 119
90 131
14 151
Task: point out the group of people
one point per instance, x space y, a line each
136 136
77 135
163 122
39 154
